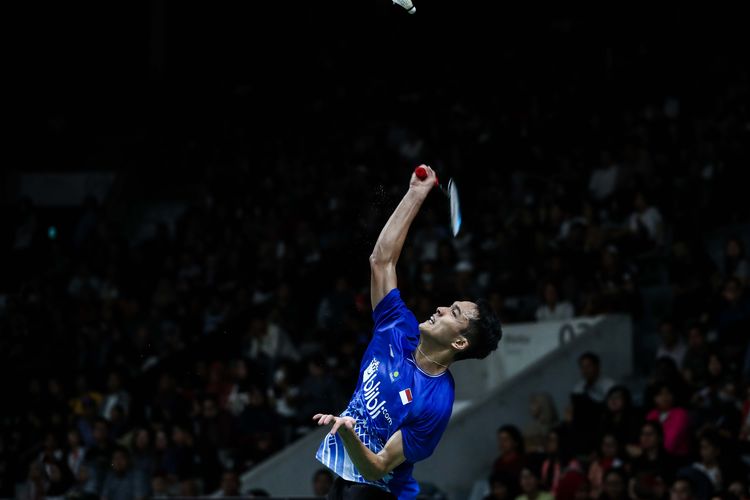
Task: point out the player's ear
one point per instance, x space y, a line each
460 343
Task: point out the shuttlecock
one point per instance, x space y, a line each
406 4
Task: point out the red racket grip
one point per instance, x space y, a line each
421 174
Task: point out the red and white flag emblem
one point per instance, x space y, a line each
405 396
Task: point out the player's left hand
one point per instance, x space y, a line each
323 419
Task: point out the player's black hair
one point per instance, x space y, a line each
483 333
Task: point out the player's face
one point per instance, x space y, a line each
447 323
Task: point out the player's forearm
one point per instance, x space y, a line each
391 240
369 464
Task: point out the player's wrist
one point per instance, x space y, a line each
420 192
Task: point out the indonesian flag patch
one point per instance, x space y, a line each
405 396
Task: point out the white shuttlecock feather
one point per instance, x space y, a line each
406 4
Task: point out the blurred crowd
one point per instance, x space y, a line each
169 359
688 439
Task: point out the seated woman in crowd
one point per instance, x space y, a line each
649 456
543 419
559 459
674 420
531 486
608 457
512 456
614 485
620 418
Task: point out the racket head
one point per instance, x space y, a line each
455 207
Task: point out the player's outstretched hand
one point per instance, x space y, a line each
337 422
423 186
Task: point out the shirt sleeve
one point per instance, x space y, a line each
393 319
422 436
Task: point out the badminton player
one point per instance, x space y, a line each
405 393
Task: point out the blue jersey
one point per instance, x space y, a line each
393 394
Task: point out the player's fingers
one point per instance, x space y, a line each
328 419
317 416
336 427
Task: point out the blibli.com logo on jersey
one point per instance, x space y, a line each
371 390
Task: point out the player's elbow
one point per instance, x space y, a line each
376 474
378 261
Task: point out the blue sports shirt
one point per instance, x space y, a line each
392 394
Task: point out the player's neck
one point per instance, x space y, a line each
429 360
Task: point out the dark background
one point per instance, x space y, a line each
284 123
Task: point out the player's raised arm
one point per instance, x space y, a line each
391 240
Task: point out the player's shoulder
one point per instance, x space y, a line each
391 310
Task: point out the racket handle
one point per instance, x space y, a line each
421 174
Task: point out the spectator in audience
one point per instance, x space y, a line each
648 486
649 456
672 345
681 489
608 457
593 384
717 405
674 421
732 320
573 486
188 487
614 486
695 362
552 308
98 455
218 385
620 418
512 456
76 451
267 343
35 486
710 457
587 399
645 223
214 429
185 454
116 396
165 456
142 456
699 484
322 482
499 489
689 272
543 418
238 398
735 264
603 180
739 490
168 403
614 289
559 460
319 391
531 486
258 427
122 482
159 486
230 485
744 434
